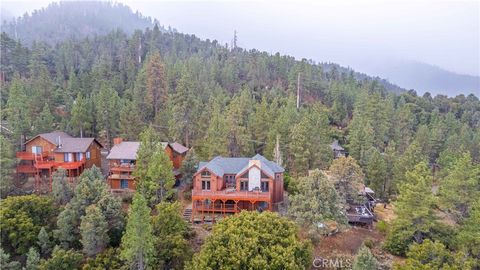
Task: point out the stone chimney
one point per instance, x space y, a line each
117 140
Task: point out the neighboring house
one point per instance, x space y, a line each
47 152
123 157
338 150
228 185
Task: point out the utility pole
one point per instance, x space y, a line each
298 91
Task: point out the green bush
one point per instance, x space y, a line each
382 226
369 243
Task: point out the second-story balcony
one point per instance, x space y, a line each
122 168
231 194
31 156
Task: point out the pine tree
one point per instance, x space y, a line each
157 92
33 259
406 162
365 260
376 172
170 230
189 167
414 210
238 138
184 108
107 107
44 121
61 190
316 201
131 123
137 242
459 188
300 147
17 110
93 230
158 184
360 138
44 242
347 177
7 162
82 118
215 141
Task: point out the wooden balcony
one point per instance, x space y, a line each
121 176
31 156
122 168
231 194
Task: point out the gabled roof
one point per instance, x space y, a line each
179 148
75 145
124 150
52 137
336 147
225 165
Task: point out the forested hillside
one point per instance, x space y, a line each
421 152
73 19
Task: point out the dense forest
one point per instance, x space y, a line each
420 152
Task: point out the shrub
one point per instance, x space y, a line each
382 227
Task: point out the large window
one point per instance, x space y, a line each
79 156
36 149
264 186
244 185
67 157
88 155
123 183
205 184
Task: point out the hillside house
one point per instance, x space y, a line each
122 159
45 153
338 150
228 185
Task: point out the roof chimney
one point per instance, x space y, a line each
117 140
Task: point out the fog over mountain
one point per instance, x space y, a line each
424 45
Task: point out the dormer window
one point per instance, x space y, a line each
245 175
205 173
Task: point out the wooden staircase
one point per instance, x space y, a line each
187 214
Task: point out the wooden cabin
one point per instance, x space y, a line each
122 159
338 150
225 186
45 153
362 213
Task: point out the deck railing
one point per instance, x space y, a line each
231 193
31 156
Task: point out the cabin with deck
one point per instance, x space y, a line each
46 152
338 150
226 186
122 159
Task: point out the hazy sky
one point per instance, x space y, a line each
358 34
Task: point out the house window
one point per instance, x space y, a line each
79 156
264 186
245 175
67 157
205 184
244 185
123 183
87 154
205 173
36 149
264 176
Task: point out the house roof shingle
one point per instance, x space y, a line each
52 137
75 145
226 165
124 150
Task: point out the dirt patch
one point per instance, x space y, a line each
348 241
201 232
385 214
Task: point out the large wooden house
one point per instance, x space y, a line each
228 185
122 159
45 153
